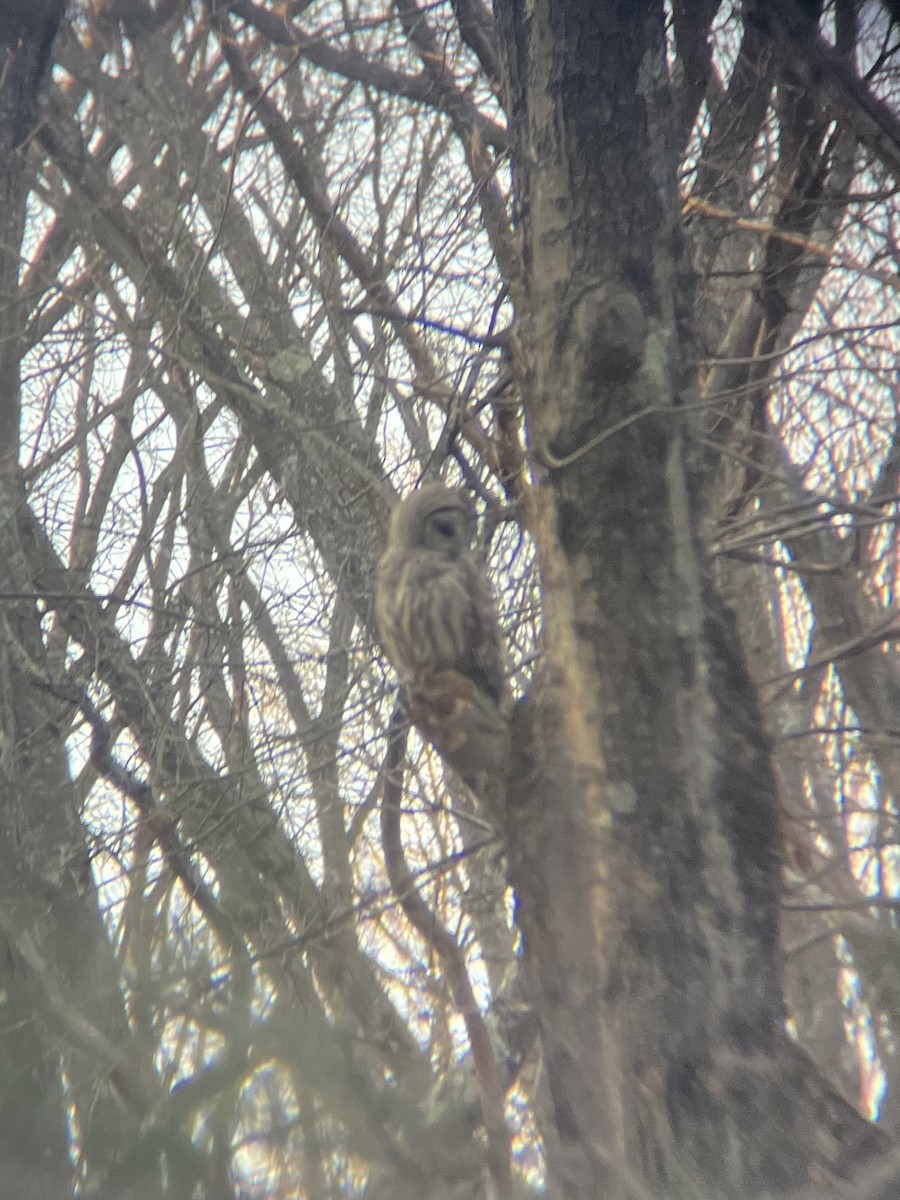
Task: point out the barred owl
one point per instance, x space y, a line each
433 601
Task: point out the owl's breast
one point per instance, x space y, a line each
425 614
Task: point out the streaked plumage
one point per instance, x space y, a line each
433 601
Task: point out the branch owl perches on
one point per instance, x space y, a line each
439 625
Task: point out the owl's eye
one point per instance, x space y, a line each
445 527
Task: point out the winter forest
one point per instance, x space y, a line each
627 272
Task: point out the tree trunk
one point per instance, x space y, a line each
643 840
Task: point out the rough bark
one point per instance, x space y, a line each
643 839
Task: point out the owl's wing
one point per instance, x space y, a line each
484 663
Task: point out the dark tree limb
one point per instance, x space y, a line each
487 1074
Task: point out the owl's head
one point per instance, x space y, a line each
436 518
